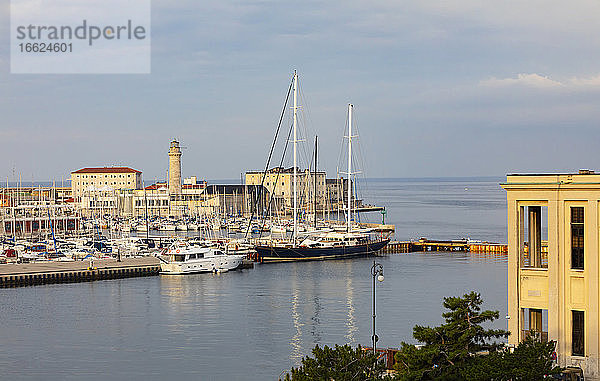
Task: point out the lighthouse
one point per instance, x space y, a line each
175 168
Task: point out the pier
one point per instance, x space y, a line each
435 245
16 275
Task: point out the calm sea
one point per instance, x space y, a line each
254 324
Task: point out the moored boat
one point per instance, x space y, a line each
183 258
321 246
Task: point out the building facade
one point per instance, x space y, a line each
35 212
90 180
553 264
337 194
279 182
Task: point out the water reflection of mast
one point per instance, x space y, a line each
316 321
351 323
296 342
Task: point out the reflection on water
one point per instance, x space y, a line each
315 326
296 342
351 322
487 257
255 318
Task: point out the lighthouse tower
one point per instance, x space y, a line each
175 168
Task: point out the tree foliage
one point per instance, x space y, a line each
448 348
532 359
342 363
462 349
459 349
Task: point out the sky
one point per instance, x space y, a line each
439 88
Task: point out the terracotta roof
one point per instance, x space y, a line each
156 186
107 170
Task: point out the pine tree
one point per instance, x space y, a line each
342 363
449 349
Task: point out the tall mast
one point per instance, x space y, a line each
295 232
349 214
315 182
146 213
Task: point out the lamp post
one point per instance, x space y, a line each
377 273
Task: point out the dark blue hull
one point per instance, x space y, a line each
280 254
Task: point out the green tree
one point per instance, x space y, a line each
449 349
342 363
531 360
459 349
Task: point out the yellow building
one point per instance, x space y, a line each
555 292
279 182
104 179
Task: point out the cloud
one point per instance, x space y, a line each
591 81
221 69
538 81
528 80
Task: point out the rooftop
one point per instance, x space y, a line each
156 186
583 177
581 172
107 170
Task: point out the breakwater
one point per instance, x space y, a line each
435 245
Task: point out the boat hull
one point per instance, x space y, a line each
283 254
228 262
180 268
220 263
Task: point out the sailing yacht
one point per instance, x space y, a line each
321 244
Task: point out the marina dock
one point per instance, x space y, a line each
15 275
28 274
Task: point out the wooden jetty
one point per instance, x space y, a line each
15 275
435 245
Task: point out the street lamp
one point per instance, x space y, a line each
377 273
